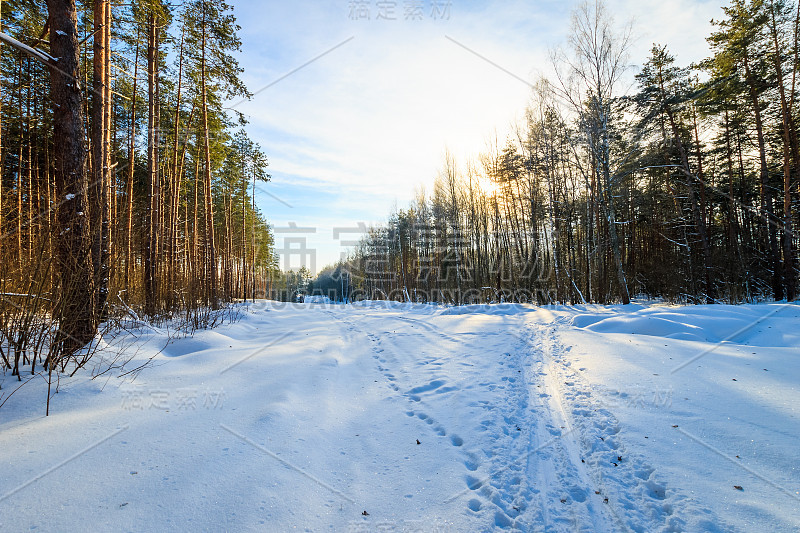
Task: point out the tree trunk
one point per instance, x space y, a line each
699 219
609 202
152 217
131 166
211 266
767 206
243 245
2 153
175 176
789 276
73 308
100 183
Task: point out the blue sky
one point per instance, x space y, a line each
357 131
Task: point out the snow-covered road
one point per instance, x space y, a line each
375 417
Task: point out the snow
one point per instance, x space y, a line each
428 418
40 55
316 299
24 295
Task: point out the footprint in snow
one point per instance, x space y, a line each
471 463
473 483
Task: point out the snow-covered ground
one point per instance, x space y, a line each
375 417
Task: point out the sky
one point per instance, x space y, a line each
356 102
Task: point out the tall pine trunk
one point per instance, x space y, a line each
789 149
99 197
73 308
152 217
211 258
767 196
130 176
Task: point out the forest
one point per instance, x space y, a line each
128 190
664 181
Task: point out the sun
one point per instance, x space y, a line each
489 187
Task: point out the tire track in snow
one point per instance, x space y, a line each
637 501
568 495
